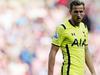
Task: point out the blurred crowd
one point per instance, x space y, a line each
26 28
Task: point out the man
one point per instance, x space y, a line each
72 38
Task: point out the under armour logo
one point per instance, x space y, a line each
73 34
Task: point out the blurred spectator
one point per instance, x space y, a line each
62 2
28 57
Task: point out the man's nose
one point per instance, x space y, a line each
79 14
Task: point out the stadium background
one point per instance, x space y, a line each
26 27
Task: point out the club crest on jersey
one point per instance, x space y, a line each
55 35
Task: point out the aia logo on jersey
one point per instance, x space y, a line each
55 35
79 43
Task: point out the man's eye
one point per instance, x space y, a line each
75 11
81 11
78 11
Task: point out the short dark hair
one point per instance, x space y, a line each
76 3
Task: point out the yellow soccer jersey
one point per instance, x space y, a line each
72 41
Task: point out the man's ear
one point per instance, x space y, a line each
70 11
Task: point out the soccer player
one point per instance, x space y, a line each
72 38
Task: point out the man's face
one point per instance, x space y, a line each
77 13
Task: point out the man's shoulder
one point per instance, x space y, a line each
83 25
64 24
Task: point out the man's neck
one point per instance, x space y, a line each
74 23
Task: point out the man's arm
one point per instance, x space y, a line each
51 62
88 61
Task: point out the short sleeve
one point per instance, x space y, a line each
58 36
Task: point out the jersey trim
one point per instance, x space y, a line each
68 68
62 69
55 45
63 26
